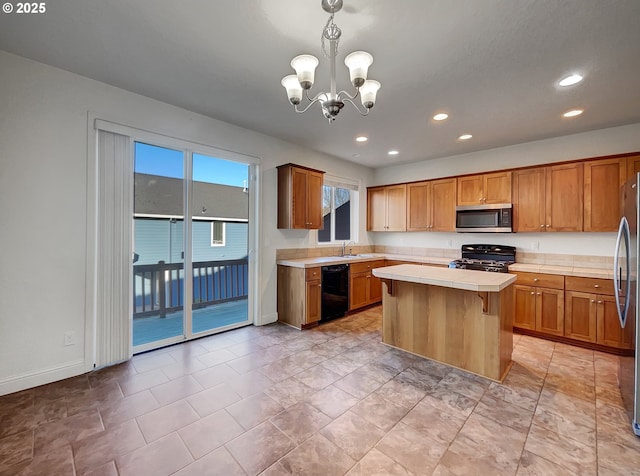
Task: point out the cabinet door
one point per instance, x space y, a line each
496 188
470 190
443 205
358 290
418 206
633 166
580 316
375 289
602 182
528 200
376 209
525 317
564 197
550 311
609 331
397 208
314 200
299 198
313 301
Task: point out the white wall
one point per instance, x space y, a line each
615 140
43 192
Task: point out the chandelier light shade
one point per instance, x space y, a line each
305 66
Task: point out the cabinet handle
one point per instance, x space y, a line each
538 294
541 226
599 302
548 226
319 285
596 285
536 279
532 293
593 300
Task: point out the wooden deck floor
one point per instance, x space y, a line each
153 328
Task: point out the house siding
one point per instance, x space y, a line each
155 239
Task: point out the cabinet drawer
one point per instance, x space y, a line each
590 285
365 266
554 281
312 273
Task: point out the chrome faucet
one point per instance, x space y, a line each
344 246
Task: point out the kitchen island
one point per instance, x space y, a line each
459 317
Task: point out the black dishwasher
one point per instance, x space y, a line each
335 291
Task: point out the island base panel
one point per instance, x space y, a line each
449 325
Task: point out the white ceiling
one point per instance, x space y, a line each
492 65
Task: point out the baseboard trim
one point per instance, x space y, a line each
41 377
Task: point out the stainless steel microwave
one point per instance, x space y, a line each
495 218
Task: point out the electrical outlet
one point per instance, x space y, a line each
535 245
70 338
449 243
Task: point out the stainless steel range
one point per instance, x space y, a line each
495 258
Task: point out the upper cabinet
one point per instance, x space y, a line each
548 198
299 197
484 189
386 208
633 165
431 205
602 182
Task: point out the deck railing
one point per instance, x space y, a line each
158 288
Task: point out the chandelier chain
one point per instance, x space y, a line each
331 31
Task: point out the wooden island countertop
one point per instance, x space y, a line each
460 317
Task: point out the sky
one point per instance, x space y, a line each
154 160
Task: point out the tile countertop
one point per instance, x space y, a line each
449 278
603 273
326 260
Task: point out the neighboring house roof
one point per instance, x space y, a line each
162 196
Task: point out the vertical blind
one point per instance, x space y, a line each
113 280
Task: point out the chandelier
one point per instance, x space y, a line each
358 63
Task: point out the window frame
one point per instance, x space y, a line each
354 196
216 243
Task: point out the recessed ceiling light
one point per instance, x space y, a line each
465 137
362 139
393 152
440 116
573 113
570 80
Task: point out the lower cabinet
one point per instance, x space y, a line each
539 309
299 296
364 287
574 308
591 314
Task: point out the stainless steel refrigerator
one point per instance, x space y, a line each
626 284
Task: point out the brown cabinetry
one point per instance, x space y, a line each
386 208
299 296
299 197
633 165
540 303
431 205
602 182
549 198
364 287
591 313
484 189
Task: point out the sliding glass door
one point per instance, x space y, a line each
180 292
219 243
158 251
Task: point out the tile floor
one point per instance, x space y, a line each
330 401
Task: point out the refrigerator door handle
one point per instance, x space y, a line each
622 308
